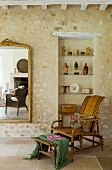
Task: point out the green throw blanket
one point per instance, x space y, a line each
61 149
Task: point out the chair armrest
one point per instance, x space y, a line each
90 119
89 125
8 96
76 132
56 121
79 130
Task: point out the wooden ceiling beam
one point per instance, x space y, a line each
53 2
44 6
103 7
24 7
83 7
4 7
44 3
63 6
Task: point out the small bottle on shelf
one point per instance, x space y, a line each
76 71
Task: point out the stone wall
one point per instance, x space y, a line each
34 28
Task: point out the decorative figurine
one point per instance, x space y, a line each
65 89
76 52
69 53
66 68
76 68
85 70
82 53
63 50
88 51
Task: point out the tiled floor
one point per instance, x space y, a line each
12 113
13 150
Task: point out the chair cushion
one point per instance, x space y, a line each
77 119
14 99
21 87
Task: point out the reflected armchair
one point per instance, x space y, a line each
18 100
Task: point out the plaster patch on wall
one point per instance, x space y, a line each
58 28
75 27
106 102
62 23
102 66
104 118
53 14
3 33
109 75
101 23
106 127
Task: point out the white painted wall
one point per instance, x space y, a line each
10 57
17 55
7 66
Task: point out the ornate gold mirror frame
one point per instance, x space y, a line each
10 44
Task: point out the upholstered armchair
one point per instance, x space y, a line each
18 100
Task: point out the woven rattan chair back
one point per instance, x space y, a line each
90 105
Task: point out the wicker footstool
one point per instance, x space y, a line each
51 148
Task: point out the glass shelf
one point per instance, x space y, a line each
78 56
77 93
76 74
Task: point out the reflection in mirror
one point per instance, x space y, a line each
15 82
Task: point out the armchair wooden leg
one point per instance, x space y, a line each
6 109
27 108
51 131
72 152
17 111
81 141
93 141
38 151
101 142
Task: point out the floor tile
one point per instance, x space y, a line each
9 150
105 162
26 149
83 163
80 163
17 163
12 113
46 163
16 140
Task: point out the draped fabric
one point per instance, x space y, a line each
61 149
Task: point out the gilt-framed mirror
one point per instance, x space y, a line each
15 82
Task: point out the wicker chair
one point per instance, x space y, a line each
20 95
90 125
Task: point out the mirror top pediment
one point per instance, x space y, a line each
9 43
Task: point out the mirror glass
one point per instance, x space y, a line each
15 82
